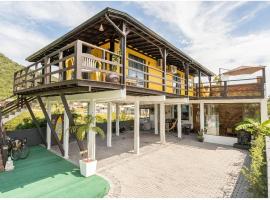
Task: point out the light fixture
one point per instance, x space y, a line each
101 29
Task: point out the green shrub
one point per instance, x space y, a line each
24 121
256 173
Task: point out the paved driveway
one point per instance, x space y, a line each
185 168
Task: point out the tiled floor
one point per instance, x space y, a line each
179 168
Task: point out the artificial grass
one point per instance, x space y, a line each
44 174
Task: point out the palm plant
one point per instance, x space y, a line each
84 124
254 127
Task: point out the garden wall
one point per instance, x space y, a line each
33 137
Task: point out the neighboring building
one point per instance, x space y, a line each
112 58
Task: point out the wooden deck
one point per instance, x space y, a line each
77 68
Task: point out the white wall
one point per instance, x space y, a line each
220 140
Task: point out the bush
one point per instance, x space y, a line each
24 121
256 174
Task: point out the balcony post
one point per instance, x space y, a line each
263 82
200 82
210 85
164 55
123 49
225 89
61 66
186 79
78 59
47 70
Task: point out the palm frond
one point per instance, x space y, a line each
99 131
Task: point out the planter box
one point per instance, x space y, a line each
88 168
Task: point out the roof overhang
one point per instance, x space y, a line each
141 38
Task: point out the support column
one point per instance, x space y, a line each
186 79
179 122
264 111
201 116
117 113
156 118
48 130
162 123
137 127
91 136
200 82
66 135
109 124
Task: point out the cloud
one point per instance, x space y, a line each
68 14
28 26
17 42
208 28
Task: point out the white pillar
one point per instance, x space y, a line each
137 127
179 122
201 116
109 124
48 132
264 111
91 136
190 117
117 113
66 135
156 118
162 123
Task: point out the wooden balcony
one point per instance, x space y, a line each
83 67
241 88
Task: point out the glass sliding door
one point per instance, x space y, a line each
137 70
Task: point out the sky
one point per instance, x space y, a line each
216 34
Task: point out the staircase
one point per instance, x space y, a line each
11 107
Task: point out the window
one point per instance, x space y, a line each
185 112
138 73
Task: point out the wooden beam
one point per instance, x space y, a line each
35 120
164 55
186 79
83 150
200 82
124 56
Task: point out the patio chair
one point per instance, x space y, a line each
173 126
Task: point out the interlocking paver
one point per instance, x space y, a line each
179 168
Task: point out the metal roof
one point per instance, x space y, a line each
141 37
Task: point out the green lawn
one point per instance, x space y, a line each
43 174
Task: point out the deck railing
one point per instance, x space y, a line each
252 87
83 61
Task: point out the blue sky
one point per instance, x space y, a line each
216 34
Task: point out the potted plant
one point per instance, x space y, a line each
200 135
113 76
80 129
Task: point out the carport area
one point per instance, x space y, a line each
178 168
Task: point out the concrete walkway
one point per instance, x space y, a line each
180 168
